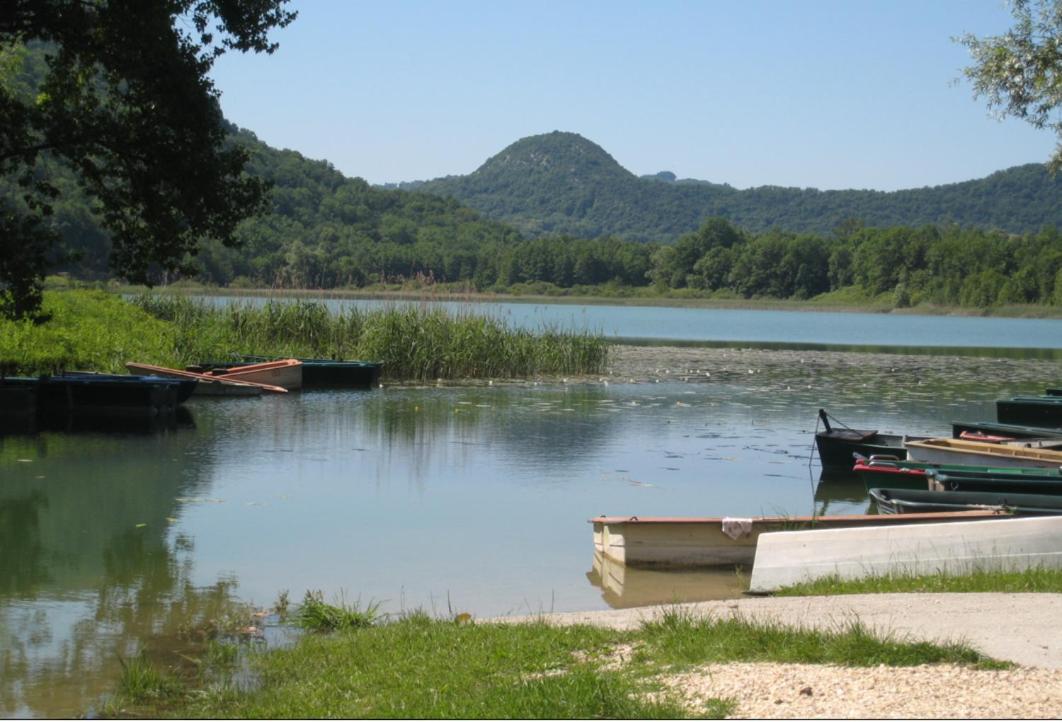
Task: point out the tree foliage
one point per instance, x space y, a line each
563 183
117 92
1020 72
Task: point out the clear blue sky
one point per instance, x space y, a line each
819 93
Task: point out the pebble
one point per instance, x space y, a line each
810 691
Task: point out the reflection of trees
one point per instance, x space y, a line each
22 564
89 570
557 424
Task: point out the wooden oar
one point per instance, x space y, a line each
163 371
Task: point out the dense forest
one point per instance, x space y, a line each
329 231
563 183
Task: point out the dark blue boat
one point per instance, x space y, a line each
316 372
100 395
1030 410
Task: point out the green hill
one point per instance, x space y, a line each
563 183
323 229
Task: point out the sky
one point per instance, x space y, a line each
828 94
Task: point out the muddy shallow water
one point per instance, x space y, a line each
448 498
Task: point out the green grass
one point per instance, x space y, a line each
422 668
94 330
681 639
1031 580
87 330
315 615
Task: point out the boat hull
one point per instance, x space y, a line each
1014 431
1045 411
286 374
837 448
325 373
1011 544
205 381
906 501
959 451
689 542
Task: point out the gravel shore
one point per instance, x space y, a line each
1020 628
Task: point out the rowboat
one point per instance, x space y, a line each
960 451
96 395
326 373
1017 483
1012 431
907 474
905 501
720 541
837 446
286 373
185 387
1032 410
994 544
208 385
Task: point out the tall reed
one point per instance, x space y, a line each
418 342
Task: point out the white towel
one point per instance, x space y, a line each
737 527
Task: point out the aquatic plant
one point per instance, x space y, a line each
418 342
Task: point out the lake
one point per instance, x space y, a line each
905 331
453 498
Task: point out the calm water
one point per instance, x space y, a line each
460 498
908 331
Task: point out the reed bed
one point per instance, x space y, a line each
413 342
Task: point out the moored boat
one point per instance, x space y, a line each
97 395
1012 431
286 373
327 373
906 501
899 477
185 387
1031 410
1014 483
961 451
995 544
836 447
208 385
720 541
908 474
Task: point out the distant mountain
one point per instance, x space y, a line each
563 183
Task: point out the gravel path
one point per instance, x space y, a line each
1021 628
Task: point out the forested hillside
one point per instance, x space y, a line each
563 183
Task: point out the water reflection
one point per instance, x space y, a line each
623 587
89 566
474 498
840 492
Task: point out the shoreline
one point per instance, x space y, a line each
447 295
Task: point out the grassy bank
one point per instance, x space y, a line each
1031 580
419 667
94 330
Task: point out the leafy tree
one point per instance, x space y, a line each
123 99
1020 72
